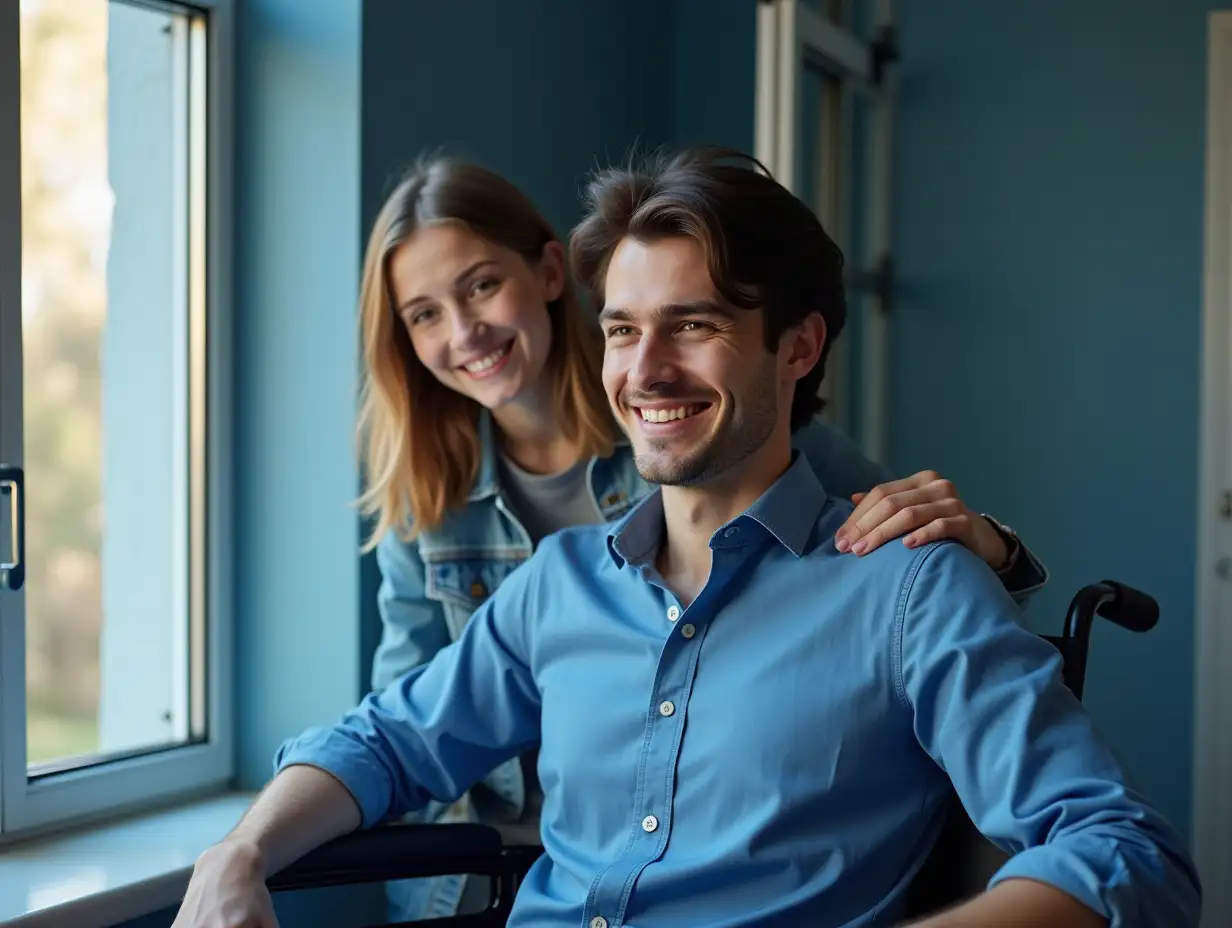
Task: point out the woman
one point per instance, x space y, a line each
486 427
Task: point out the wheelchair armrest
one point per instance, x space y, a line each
394 852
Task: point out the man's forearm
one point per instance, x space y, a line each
302 808
1017 904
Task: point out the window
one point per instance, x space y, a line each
825 97
113 639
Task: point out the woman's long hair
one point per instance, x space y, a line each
419 439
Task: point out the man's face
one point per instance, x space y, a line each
689 378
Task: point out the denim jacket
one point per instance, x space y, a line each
431 586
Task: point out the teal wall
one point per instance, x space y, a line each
538 90
297 248
1049 216
715 60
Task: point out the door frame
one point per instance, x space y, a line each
1212 800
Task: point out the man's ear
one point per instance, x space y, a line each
803 344
552 271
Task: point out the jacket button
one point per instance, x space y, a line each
478 590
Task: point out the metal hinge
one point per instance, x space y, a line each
883 52
879 281
1225 505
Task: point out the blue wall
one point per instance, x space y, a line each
297 246
715 60
538 90
1049 200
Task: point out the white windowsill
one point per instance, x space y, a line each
101 876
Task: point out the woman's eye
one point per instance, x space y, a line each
419 316
484 285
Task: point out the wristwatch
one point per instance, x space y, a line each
1013 547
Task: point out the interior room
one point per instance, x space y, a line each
1034 202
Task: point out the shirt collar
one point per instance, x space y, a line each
788 510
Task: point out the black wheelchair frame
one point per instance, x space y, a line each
958 866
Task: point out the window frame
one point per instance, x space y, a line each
792 37
160 777
1212 752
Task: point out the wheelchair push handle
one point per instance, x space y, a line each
1117 602
1131 609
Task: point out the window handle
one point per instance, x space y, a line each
13 571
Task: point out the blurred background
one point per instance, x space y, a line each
1019 188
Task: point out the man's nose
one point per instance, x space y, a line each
653 364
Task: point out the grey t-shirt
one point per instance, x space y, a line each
543 503
546 503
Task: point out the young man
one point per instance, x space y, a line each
739 725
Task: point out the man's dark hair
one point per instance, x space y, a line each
763 245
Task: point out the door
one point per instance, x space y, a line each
824 119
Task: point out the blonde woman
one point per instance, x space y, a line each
485 428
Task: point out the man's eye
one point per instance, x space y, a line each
619 331
694 326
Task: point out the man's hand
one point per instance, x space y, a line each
227 890
922 508
300 809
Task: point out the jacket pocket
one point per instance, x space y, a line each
462 584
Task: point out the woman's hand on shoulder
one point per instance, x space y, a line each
922 508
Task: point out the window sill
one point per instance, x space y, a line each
101 876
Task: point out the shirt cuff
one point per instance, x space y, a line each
349 763
1074 875
1023 573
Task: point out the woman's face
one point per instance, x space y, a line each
476 312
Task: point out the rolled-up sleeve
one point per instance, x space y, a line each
437 729
988 704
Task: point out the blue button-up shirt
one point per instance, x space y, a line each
774 753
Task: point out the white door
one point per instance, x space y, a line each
824 119
1212 819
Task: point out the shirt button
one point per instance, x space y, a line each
666 707
598 922
673 613
688 631
650 823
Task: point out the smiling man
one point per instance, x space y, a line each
739 726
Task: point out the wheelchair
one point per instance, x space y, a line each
958 866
